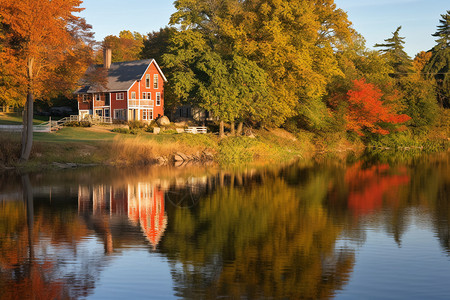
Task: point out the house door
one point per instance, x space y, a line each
133 115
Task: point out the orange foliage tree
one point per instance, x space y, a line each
366 110
39 37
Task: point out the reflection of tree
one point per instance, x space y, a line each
256 241
22 276
36 247
368 187
441 184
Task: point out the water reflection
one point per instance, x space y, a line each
143 204
291 232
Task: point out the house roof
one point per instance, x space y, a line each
121 76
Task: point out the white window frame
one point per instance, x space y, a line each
97 97
99 110
155 81
158 99
85 98
147 81
133 95
120 114
147 114
119 96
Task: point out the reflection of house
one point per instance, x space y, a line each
142 203
146 205
132 90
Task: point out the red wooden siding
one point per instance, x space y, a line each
83 105
118 104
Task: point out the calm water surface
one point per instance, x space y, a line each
359 228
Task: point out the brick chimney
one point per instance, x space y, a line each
106 58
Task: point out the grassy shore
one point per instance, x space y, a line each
100 145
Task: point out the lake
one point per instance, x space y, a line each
370 227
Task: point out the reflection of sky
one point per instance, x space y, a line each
418 269
135 274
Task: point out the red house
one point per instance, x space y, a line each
131 90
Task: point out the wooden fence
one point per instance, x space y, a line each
44 127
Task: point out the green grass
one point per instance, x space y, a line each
16 119
73 134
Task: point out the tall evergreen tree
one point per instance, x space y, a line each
396 56
438 66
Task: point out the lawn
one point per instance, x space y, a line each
16 119
74 135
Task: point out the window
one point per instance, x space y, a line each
119 114
133 95
97 97
155 81
119 96
99 112
147 81
147 114
158 99
107 112
147 96
86 97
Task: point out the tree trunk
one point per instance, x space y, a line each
239 128
233 131
27 132
221 130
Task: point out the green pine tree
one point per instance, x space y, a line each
439 63
395 55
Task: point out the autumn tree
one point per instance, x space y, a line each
409 93
438 66
366 111
125 47
293 44
40 36
355 61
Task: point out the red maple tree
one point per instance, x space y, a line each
366 110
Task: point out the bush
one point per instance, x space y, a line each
126 130
121 130
236 150
9 149
119 122
136 124
78 124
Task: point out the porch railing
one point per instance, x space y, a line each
140 102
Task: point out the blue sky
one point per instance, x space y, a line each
374 19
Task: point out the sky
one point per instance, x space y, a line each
376 20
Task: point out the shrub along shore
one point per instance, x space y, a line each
101 145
